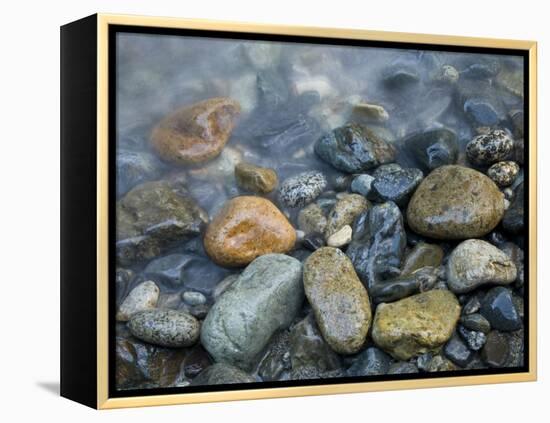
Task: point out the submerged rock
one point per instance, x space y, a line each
264 299
474 263
476 322
152 217
362 184
455 202
255 178
378 243
134 168
433 148
196 133
142 297
354 148
245 228
420 256
417 324
402 368
503 173
221 374
513 220
311 219
396 186
302 189
339 301
490 148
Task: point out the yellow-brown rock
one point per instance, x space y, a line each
245 228
197 133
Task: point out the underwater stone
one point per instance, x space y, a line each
433 148
302 189
486 149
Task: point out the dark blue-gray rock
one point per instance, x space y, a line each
378 243
354 148
481 70
277 359
475 340
385 169
486 149
263 300
396 186
123 283
221 374
167 328
496 350
390 290
457 351
499 309
314 241
361 184
370 362
475 321
193 271
193 298
309 349
134 168
196 361
480 103
433 148
513 220
302 189
402 368
399 76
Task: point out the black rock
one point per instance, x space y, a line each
378 243
476 322
496 349
371 361
314 241
499 309
422 280
396 186
433 148
480 103
474 339
513 220
402 368
457 351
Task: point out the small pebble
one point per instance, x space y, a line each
340 238
193 298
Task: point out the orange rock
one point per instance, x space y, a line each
197 133
245 228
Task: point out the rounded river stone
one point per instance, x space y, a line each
302 189
420 256
264 299
143 297
196 133
474 263
245 228
339 300
344 212
167 328
417 324
255 178
489 148
455 202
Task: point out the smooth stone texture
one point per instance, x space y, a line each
499 309
378 243
422 255
341 238
142 297
152 217
167 328
486 149
370 362
417 324
455 202
513 221
474 263
221 374
193 298
197 133
245 228
402 368
475 340
496 350
396 186
362 184
255 178
503 173
224 285
433 148
476 322
421 280
134 168
344 212
457 351
339 300
302 189
264 299
369 113
311 219
354 148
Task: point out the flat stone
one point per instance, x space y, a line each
142 297
193 298
339 300
455 202
255 178
417 324
245 228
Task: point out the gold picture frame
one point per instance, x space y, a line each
103 400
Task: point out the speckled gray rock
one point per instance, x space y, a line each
361 184
311 219
396 186
142 297
167 328
475 340
221 374
354 148
474 263
264 299
339 300
370 362
503 173
490 148
499 309
302 189
344 212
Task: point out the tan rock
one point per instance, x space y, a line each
344 212
255 178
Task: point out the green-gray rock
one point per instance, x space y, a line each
417 324
339 300
264 299
311 219
167 328
455 202
474 263
221 374
255 178
422 255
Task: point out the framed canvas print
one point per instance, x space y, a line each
263 211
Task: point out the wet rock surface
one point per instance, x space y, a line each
434 148
301 189
499 309
397 185
142 297
490 148
255 178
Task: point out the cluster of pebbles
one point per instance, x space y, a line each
296 232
